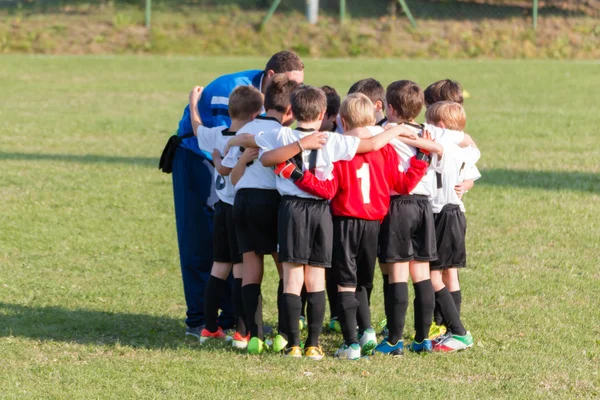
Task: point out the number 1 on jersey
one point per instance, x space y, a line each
365 182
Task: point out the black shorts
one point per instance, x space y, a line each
255 218
408 231
225 247
305 231
450 231
354 251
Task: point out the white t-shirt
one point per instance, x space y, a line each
456 165
217 138
427 185
256 176
338 147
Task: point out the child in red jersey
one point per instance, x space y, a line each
360 197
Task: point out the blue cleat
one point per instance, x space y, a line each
424 347
394 350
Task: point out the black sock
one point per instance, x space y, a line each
280 313
445 302
457 296
398 304
253 306
292 307
437 315
347 307
363 316
238 308
212 298
386 298
303 295
332 291
316 314
424 305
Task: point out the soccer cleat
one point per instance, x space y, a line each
279 344
393 350
257 346
334 325
239 341
383 329
436 331
206 334
294 352
422 347
454 343
302 323
346 352
195 332
314 353
368 342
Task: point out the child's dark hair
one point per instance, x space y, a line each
285 61
333 101
371 88
308 102
406 98
444 90
245 102
277 95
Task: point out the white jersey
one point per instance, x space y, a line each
217 138
456 165
320 162
427 185
256 176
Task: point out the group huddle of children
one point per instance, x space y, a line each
352 182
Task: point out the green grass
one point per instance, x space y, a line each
91 301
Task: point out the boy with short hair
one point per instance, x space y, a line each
245 103
305 226
256 203
360 195
450 222
407 238
444 90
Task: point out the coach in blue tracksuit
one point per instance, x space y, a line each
193 185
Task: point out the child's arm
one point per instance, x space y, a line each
281 154
405 182
221 169
377 142
242 140
324 189
464 187
238 171
194 97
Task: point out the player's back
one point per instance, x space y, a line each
364 184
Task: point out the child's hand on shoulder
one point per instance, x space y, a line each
250 154
314 141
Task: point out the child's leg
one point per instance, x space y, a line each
251 293
347 308
215 287
331 286
293 280
238 303
280 316
445 302
365 271
314 278
424 298
450 278
397 300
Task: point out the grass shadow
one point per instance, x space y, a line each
547 180
91 327
81 158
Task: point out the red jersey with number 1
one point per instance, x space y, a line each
360 188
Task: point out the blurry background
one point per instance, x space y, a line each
377 28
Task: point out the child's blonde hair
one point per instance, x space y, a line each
357 111
451 114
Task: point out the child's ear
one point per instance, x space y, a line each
379 105
344 124
322 116
441 125
390 110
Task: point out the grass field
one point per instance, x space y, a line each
91 300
